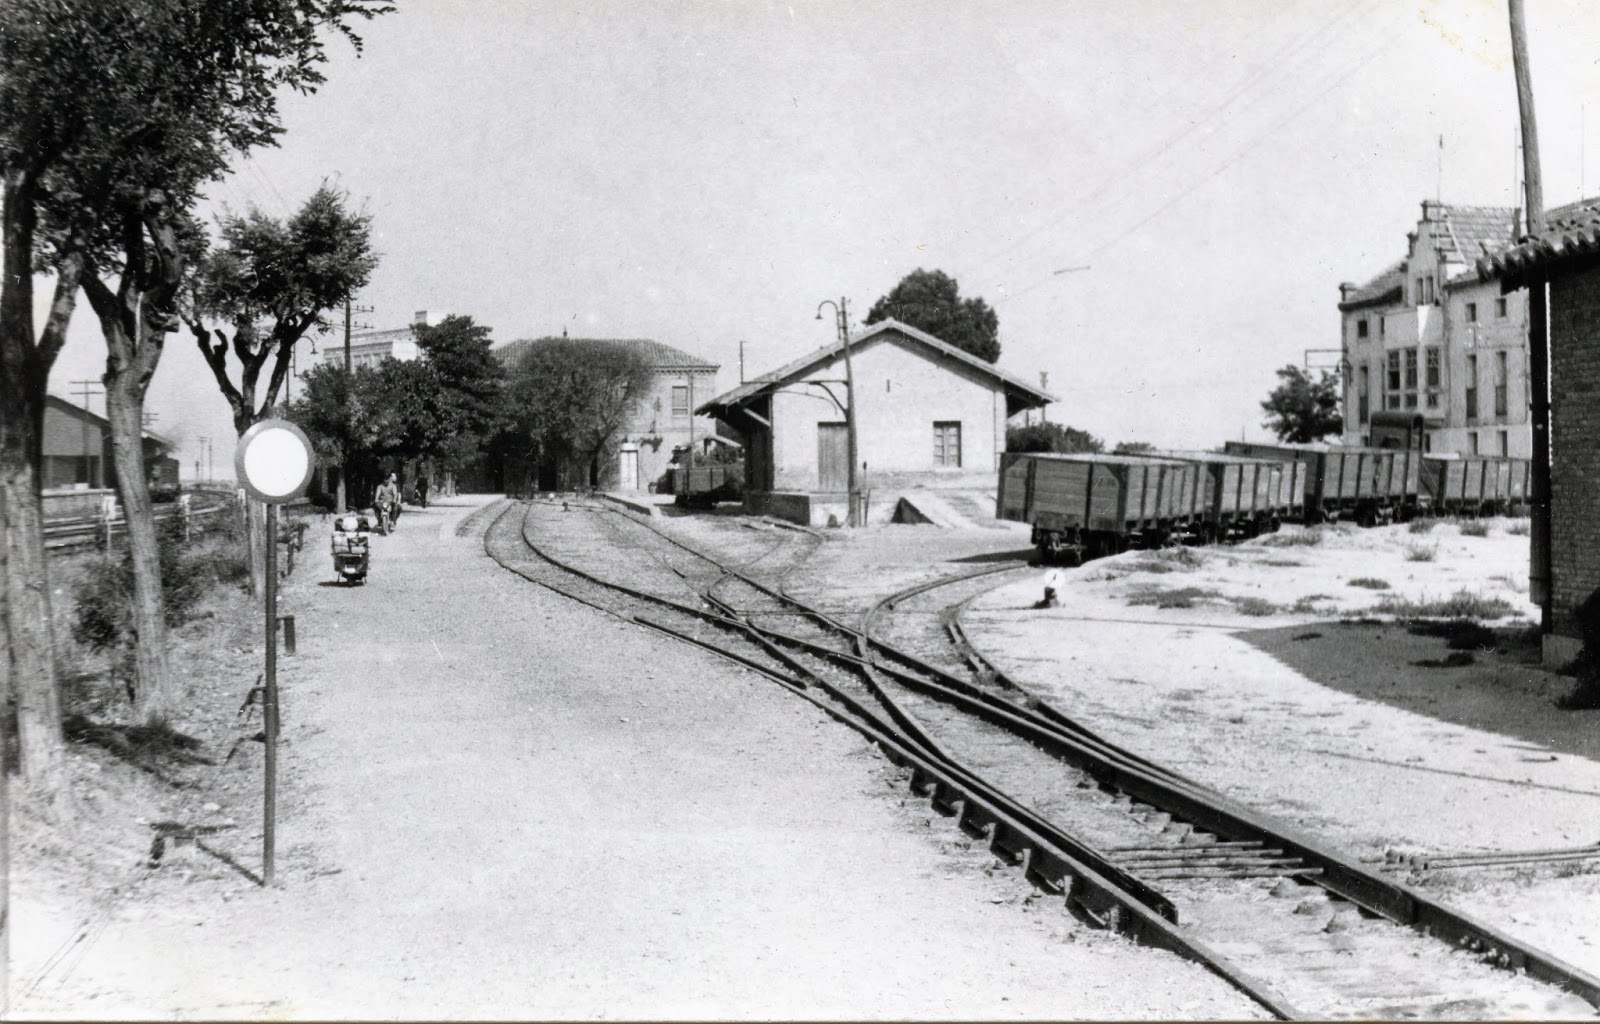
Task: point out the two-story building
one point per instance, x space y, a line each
660 424
1428 336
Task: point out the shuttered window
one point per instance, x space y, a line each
947 444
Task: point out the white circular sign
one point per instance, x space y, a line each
274 461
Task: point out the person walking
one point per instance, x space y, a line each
422 490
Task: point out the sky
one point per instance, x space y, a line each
705 174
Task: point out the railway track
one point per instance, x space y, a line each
1130 844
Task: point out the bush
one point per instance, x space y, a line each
1475 528
1255 606
1421 553
1370 583
1520 528
1424 525
1179 597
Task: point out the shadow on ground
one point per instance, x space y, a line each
1503 690
988 558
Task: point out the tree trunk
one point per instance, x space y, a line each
28 652
125 410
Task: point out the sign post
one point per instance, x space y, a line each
274 462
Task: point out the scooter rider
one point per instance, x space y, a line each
387 500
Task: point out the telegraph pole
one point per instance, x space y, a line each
842 311
1538 336
86 390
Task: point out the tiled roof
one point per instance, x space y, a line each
1384 289
1569 231
1479 229
660 356
765 381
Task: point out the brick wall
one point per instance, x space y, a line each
1574 443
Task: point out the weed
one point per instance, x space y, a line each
1475 528
1308 605
1255 606
1303 537
1463 604
1282 563
1421 552
1173 597
1423 525
1370 583
1519 528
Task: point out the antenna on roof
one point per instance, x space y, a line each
1438 184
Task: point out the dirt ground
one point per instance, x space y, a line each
1261 670
500 804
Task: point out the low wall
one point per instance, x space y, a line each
75 503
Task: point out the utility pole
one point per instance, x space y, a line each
1044 385
86 390
741 360
1538 333
688 469
842 310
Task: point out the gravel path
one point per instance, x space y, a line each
501 804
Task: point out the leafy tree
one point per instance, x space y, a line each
1300 409
111 118
568 400
1051 437
1133 448
930 301
468 406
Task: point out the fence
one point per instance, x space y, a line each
65 534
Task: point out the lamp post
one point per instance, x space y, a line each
842 315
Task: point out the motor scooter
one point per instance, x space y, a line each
351 548
385 513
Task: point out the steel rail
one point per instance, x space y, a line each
1050 857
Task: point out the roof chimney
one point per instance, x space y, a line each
1432 209
1345 288
420 318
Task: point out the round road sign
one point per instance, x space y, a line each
274 461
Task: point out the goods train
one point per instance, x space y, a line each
1087 505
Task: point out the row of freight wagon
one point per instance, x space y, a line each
1084 506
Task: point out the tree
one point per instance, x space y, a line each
1300 409
111 118
271 282
568 399
930 300
469 381
1051 437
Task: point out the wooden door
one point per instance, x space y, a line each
833 458
628 469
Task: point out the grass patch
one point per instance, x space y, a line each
1463 604
1423 525
1282 563
1171 559
1258 607
1308 605
1370 583
1475 528
1421 552
1520 528
1171 597
1584 695
1304 537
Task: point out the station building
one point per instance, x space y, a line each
929 416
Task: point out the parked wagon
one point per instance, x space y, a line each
1235 497
1369 485
1475 484
1083 506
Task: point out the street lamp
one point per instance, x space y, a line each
842 316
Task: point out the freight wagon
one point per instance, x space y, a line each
1475 484
1234 497
1369 485
1083 506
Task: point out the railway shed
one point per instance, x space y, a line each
929 416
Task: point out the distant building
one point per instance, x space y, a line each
928 414
1567 258
659 425
1427 336
76 446
369 348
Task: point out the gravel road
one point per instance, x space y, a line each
501 804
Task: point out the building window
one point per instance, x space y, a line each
1431 298
1500 384
1472 312
1411 369
680 400
1394 370
947 444
1505 442
1383 326
1361 328
1472 439
1472 387
1416 295
1363 414
1500 309
1432 379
